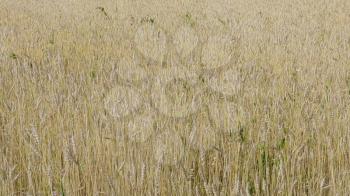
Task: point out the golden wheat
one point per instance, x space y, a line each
175 97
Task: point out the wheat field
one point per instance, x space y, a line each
183 97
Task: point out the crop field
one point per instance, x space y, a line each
174 97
